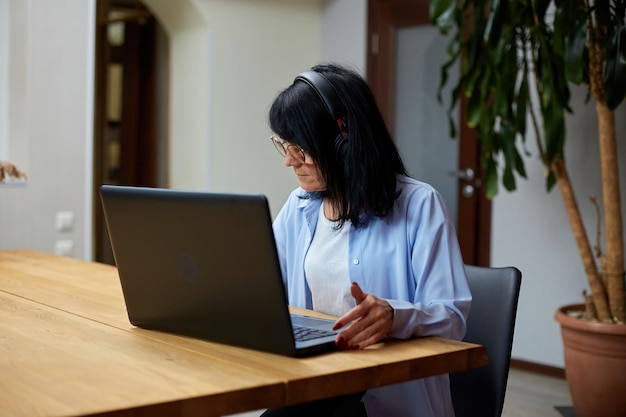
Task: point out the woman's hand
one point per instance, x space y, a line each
371 320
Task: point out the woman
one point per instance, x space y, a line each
361 240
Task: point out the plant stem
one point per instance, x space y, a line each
573 213
613 261
614 252
601 309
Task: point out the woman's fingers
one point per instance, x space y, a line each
370 320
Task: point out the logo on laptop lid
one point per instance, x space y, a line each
187 268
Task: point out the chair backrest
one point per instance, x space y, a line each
480 392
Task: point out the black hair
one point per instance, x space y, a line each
360 174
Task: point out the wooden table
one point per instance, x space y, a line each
68 349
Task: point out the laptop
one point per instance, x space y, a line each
205 265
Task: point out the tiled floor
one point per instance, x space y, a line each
528 395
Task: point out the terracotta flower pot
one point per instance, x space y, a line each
595 364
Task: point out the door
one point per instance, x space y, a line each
125 125
404 60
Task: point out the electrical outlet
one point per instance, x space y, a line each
65 221
64 247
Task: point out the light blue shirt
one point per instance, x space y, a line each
411 258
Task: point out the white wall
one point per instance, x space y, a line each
258 47
344 33
50 102
4 78
242 53
190 95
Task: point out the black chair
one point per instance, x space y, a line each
480 392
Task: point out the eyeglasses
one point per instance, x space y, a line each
284 148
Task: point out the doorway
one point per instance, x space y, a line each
405 53
129 137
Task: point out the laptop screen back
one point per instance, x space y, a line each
199 264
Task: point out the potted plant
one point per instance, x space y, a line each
517 59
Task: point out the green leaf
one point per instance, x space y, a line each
452 127
475 110
475 45
436 8
520 105
507 140
508 179
550 181
519 164
491 179
615 68
560 31
508 70
493 27
540 7
487 145
553 88
445 21
445 69
554 131
575 46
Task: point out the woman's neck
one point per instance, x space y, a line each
330 211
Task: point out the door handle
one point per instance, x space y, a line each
466 174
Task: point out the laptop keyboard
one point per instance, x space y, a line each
307 333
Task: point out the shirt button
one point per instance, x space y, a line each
355 261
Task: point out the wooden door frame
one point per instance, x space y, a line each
137 127
385 17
